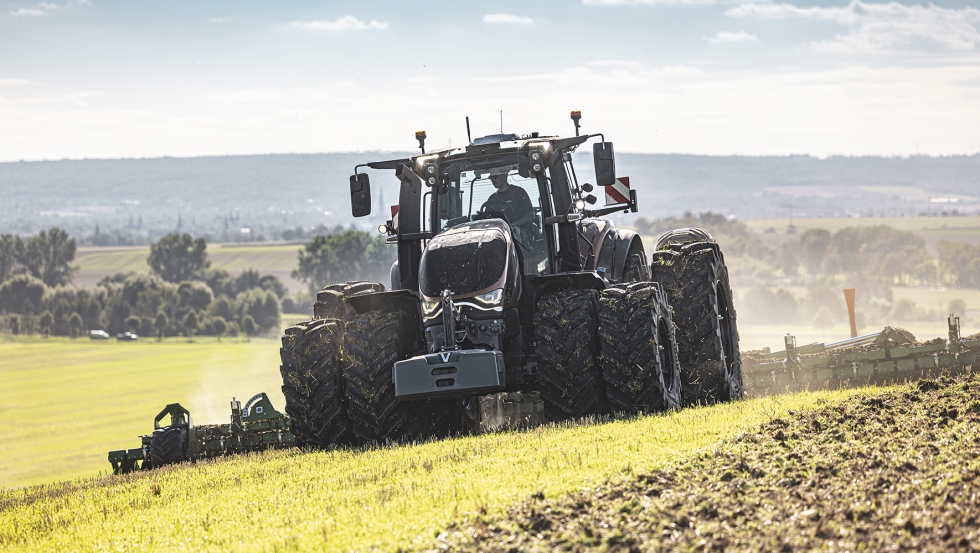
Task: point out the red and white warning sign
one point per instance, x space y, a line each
394 217
618 192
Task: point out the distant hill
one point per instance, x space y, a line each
268 193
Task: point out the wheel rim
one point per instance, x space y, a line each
666 353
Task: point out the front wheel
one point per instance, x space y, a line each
565 332
311 383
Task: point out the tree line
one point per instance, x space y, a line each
181 295
878 252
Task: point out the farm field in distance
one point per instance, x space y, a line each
278 260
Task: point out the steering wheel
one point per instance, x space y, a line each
497 206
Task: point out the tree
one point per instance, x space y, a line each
160 323
47 321
21 294
11 254
14 322
195 295
75 323
48 257
812 248
179 257
248 326
133 324
219 325
190 324
350 255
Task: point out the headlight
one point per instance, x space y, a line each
431 308
579 205
535 155
490 299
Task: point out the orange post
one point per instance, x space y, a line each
849 298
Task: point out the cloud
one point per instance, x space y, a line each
506 19
880 26
45 7
13 82
728 36
345 23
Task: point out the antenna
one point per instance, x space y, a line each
501 121
468 137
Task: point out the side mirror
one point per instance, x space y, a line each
605 163
360 195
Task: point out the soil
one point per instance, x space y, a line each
894 470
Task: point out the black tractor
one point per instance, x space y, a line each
509 282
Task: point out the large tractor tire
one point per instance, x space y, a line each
636 268
331 301
372 345
312 383
638 350
565 326
691 268
168 446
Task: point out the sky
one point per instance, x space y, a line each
150 78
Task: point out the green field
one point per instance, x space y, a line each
67 402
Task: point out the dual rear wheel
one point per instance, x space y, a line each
606 351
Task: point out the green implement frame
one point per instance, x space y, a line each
885 357
256 427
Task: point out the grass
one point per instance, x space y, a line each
894 470
68 402
388 498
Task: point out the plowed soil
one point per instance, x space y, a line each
894 471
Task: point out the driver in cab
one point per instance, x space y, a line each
519 209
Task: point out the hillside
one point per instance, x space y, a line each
387 498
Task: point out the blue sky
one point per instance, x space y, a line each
147 78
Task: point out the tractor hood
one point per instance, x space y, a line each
468 259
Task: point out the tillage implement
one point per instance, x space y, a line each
510 289
255 427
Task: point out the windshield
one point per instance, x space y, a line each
496 189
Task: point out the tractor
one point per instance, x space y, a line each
510 282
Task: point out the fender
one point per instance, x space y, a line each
403 301
625 241
546 284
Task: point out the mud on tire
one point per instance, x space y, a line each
312 383
695 278
168 446
331 304
637 349
373 343
565 325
